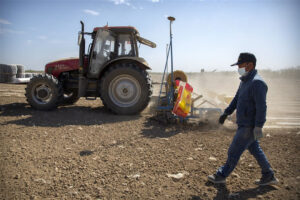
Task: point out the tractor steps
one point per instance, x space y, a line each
90 98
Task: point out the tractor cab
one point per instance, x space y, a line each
110 43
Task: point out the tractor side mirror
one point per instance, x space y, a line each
79 39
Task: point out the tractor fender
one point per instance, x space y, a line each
142 62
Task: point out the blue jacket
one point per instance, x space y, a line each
250 101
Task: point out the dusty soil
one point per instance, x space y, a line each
85 152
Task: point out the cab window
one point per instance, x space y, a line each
125 45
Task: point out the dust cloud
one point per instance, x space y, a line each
283 98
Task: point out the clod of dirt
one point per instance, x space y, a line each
136 176
86 153
40 180
178 175
113 142
211 158
235 175
17 176
166 138
287 187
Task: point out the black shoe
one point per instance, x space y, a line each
216 178
267 180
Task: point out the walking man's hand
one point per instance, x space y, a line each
257 133
222 118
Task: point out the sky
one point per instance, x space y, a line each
207 34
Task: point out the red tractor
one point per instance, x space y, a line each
112 70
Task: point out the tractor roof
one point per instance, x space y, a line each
119 29
127 29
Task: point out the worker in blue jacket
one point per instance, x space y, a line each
250 105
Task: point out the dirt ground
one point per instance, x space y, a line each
85 152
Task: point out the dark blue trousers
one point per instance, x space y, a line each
244 139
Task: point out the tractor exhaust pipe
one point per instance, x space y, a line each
82 83
81 42
82 26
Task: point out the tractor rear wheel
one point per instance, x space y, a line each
44 92
125 89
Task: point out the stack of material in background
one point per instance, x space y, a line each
14 73
8 73
20 71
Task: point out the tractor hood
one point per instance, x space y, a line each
63 60
58 66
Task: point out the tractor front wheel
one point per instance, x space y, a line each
44 92
125 89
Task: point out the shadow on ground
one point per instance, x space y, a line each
224 193
154 128
62 116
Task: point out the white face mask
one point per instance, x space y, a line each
242 71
